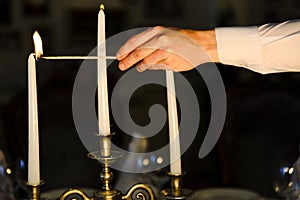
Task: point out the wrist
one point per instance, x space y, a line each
207 40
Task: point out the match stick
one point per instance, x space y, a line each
77 57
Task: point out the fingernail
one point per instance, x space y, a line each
121 66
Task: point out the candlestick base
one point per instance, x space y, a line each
107 193
176 191
106 157
34 191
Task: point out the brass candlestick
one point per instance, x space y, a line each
176 191
34 191
106 174
106 157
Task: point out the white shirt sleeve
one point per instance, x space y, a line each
265 49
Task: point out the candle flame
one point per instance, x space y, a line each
38 45
102 7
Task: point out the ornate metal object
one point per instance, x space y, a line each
34 191
176 191
106 157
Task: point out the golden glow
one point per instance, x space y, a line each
38 45
8 171
102 7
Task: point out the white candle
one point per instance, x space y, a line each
33 132
175 165
103 108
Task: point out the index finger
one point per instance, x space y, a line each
135 41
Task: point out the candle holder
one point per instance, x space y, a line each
34 191
176 191
106 157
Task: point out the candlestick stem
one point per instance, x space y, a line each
176 191
176 185
34 191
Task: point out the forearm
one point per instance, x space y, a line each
269 48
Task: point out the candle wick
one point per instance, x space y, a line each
37 56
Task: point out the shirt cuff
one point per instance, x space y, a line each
239 46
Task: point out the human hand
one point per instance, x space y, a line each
168 48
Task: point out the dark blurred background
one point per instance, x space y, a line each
261 132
